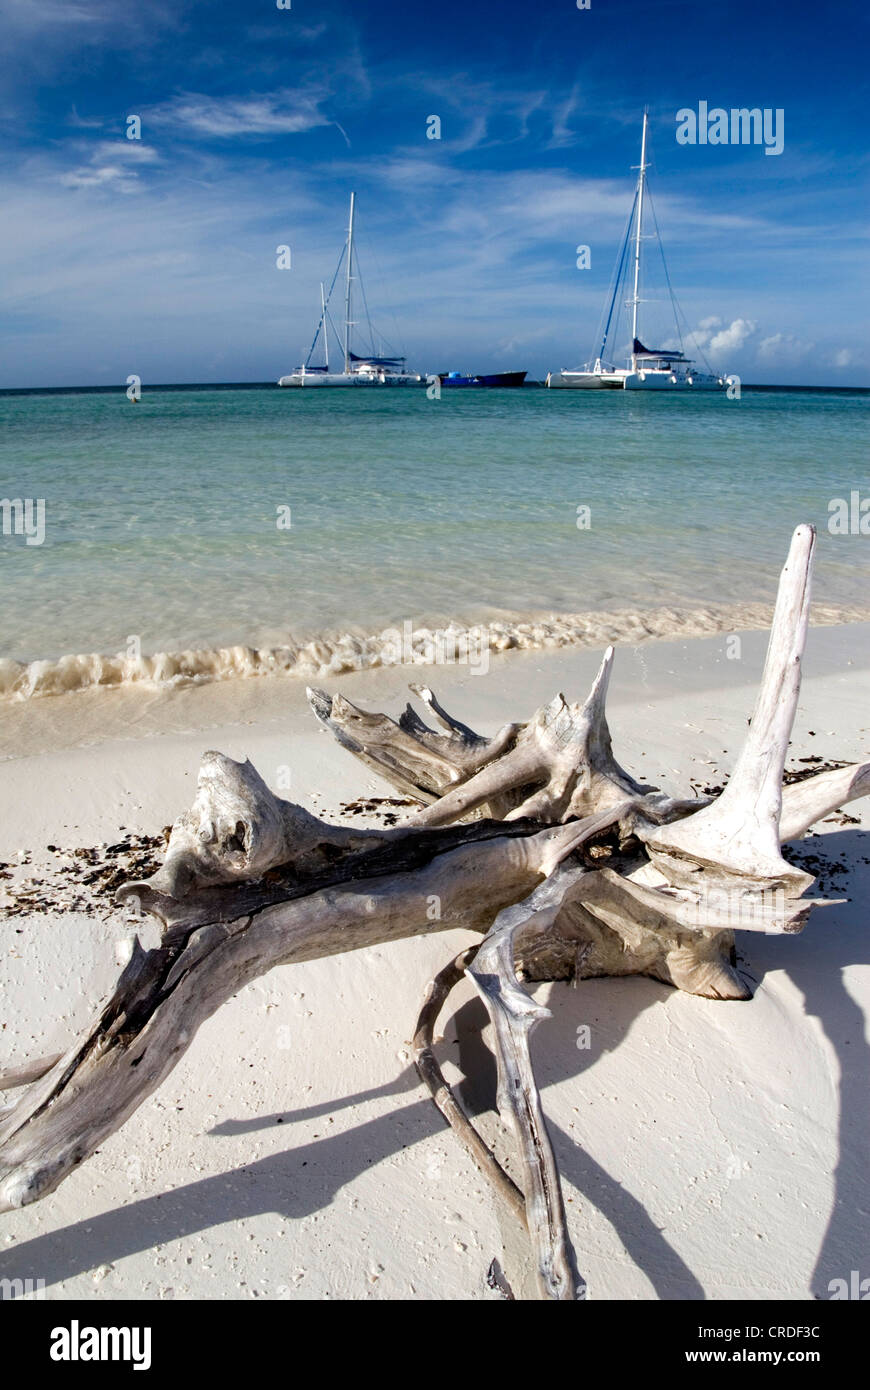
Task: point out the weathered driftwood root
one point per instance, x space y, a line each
663 900
216 940
414 758
736 839
27 1073
579 871
556 766
514 1015
667 903
436 996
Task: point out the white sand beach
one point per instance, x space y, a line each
708 1149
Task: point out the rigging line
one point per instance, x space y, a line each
374 259
618 276
362 285
335 331
601 331
323 314
622 304
673 297
675 304
385 343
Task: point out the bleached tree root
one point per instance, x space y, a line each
215 941
437 993
27 1073
702 867
536 839
514 1015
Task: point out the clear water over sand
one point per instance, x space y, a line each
161 520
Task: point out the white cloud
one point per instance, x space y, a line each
783 348
136 150
563 133
279 113
100 176
441 245
26 15
82 122
844 358
719 340
732 338
110 166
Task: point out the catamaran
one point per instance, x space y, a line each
648 369
357 370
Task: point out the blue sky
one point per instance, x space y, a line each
159 256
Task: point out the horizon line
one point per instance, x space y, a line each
270 385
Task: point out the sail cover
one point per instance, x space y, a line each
378 361
640 351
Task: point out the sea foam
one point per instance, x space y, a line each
333 654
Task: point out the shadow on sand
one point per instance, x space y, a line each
303 1180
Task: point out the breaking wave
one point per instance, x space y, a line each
335 654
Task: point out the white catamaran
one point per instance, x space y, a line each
648 369
358 370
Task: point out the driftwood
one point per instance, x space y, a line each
536 839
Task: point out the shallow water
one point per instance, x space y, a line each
162 534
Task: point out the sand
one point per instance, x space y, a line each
708 1149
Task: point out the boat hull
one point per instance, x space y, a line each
349 379
584 381
494 380
634 381
669 381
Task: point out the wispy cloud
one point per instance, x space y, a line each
563 133
112 164
30 15
82 122
276 113
247 123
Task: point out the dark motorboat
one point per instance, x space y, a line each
494 379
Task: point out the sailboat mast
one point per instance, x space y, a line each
323 325
638 231
349 284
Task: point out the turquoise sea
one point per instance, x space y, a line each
162 520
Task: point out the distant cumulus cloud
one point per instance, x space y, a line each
844 358
732 338
718 339
783 348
